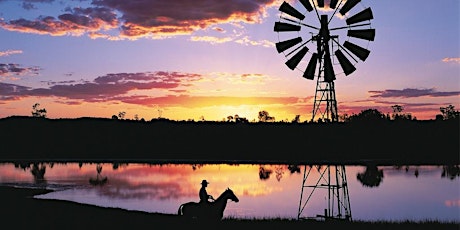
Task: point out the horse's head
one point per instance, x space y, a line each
231 195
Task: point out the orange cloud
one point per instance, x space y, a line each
210 39
455 60
452 203
10 52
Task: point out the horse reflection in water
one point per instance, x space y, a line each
211 211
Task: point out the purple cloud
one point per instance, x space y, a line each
77 22
16 69
408 92
140 18
104 88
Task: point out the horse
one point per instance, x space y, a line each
212 211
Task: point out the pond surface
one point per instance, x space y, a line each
396 193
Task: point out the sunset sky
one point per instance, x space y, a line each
209 59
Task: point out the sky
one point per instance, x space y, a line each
210 59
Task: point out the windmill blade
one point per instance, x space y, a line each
359 51
284 27
320 3
347 66
333 4
307 5
367 34
329 75
284 45
294 61
360 17
348 5
310 70
288 9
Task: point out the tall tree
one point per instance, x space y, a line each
37 111
449 112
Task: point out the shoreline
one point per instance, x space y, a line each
54 214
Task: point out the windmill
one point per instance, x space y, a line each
324 25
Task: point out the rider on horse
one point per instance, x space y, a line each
204 197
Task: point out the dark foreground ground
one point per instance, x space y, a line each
19 210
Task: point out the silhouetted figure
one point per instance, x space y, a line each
204 196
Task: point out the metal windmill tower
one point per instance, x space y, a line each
328 57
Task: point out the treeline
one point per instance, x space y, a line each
414 142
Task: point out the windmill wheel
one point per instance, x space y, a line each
315 28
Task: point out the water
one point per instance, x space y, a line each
417 193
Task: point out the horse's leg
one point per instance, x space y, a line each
179 211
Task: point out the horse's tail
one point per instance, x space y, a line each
179 211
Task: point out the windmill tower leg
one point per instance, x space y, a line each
325 105
332 180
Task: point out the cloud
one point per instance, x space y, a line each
246 41
10 52
9 92
30 4
9 89
455 60
77 22
119 87
138 18
210 39
408 93
105 88
166 18
17 70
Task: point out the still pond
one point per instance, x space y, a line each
370 193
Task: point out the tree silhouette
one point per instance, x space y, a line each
449 112
398 113
239 119
99 179
37 112
296 119
38 171
372 177
122 115
265 117
368 115
451 171
264 174
230 118
294 169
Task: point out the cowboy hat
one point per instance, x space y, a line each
204 182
